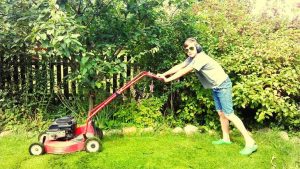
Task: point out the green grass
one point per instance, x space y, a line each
158 151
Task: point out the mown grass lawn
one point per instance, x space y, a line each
158 151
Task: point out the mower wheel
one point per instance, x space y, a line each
93 145
42 137
36 149
98 133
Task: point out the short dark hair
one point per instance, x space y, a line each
190 40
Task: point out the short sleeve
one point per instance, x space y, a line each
187 61
198 62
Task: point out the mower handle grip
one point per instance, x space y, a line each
154 76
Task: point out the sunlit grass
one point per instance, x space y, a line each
158 151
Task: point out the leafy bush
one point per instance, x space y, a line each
144 113
262 58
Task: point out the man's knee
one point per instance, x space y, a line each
229 116
222 115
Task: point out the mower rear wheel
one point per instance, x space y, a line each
36 149
93 145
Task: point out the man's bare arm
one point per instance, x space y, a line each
179 73
175 69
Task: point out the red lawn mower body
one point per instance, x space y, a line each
65 137
72 145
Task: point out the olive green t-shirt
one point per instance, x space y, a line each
209 72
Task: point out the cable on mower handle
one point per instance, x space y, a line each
100 106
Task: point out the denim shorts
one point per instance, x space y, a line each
223 97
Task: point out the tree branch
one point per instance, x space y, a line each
118 50
78 9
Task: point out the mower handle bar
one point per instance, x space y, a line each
100 106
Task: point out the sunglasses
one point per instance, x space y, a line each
186 50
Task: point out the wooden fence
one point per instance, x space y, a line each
24 73
20 73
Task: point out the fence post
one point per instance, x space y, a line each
73 69
58 73
65 77
15 80
23 69
36 74
1 71
44 73
30 74
8 74
51 72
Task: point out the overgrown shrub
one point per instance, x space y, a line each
262 57
144 113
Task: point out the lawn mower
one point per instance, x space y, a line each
63 136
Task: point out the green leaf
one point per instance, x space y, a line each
43 36
75 36
60 38
84 71
98 84
77 42
261 117
84 60
50 32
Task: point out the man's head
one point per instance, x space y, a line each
191 47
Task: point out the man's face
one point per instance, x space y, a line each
190 50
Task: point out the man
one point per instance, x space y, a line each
211 75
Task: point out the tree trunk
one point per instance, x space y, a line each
91 100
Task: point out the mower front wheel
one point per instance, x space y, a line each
36 149
93 145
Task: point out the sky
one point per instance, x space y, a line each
289 9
